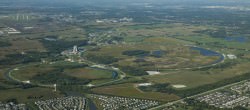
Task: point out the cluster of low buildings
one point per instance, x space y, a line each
12 106
104 38
122 103
8 30
231 56
242 89
115 20
235 96
225 100
65 103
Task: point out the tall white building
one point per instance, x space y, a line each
75 50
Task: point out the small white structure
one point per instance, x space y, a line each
55 87
99 21
90 85
98 66
75 50
12 31
144 84
26 82
1 33
153 72
179 86
16 69
28 28
115 68
231 56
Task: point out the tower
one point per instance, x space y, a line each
75 50
55 87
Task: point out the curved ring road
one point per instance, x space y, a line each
8 75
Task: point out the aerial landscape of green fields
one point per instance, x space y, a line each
124 55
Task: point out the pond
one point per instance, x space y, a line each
237 39
92 106
206 52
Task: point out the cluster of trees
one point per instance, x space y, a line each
31 56
26 86
222 66
102 59
70 66
57 77
221 33
133 71
136 53
2 88
60 45
4 44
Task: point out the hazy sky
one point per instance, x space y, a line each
123 2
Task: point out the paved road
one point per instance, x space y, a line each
214 90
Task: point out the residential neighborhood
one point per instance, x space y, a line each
66 103
122 103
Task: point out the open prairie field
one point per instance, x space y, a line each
19 45
129 90
156 52
28 95
197 78
89 73
28 72
136 32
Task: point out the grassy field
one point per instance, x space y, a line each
22 94
197 78
177 55
27 73
19 45
89 73
129 90
171 38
